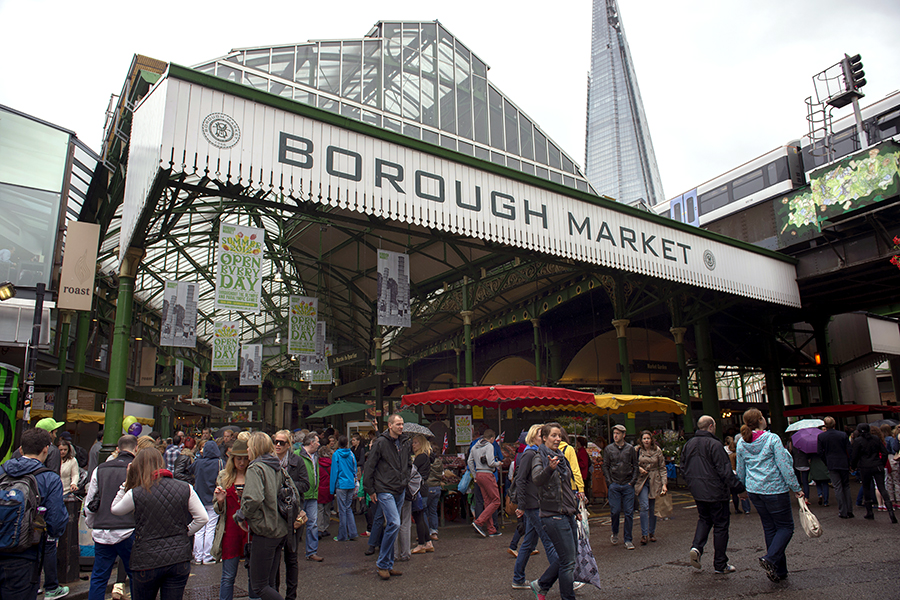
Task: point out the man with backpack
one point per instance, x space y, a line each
33 511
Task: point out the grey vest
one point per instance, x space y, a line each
111 475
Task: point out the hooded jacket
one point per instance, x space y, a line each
259 500
343 470
482 458
206 469
387 466
765 467
51 492
867 452
707 469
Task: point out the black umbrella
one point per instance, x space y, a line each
233 428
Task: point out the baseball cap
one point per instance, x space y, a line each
619 427
49 424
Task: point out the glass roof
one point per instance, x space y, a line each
414 78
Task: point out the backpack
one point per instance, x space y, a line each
287 499
21 523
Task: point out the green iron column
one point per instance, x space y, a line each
121 346
467 341
684 388
536 325
555 351
706 367
82 336
774 387
621 326
379 394
62 337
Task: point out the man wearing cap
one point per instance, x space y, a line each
620 467
53 460
113 535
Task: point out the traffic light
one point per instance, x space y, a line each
854 76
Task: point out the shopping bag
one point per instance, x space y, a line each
465 482
585 564
585 515
664 506
808 520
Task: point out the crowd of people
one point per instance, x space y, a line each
158 506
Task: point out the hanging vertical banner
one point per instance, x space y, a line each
179 371
393 289
9 397
239 281
323 376
148 366
226 337
251 364
195 383
179 315
76 281
317 360
304 311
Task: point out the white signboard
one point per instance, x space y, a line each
239 272
179 315
393 289
251 364
226 341
304 311
463 425
205 130
76 281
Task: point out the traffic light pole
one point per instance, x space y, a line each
863 139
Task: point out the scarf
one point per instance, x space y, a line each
563 468
162 473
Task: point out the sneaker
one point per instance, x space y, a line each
514 554
695 558
536 590
369 551
521 586
59 592
495 534
118 592
613 539
629 546
769 568
365 534
210 561
480 531
578 585
728 569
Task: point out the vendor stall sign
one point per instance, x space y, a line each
463 430
251 364
226 341
239 268
179 315
393 289
304 314
9 397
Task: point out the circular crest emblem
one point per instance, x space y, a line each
221 131
709 259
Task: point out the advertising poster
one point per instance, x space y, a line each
304 314
239 268
178 326
9 396
463 430
393 289
251 364
325 375
76 282
226 341
179 371
318 360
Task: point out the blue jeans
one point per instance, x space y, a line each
648 511
431 508
165 583
104 560
229 573
347 522
377 531
561 530
621 500
390 504
534 529
778 525
51 576
19 578
311 507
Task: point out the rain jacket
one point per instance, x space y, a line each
259 500
206 469
50 488
312 474
343 470
765 467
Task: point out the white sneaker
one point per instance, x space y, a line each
613 539
578 585
59 592
695 558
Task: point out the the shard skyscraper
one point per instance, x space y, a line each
619 158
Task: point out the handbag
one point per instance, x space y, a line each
664 505
585 564
808 520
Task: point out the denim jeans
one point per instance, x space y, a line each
621 500
561 531
311 506
377 531
104 560
648 511
534 529
391 504
715 516
19 578
229 574
778 525
347 521
431 508
51 577
166 583
822 490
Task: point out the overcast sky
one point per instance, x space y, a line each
722 81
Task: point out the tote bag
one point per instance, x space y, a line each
585 564
808 520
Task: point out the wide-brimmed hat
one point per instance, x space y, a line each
239 448
49 424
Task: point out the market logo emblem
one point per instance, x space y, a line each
709 259
221 131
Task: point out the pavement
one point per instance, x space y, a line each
853 557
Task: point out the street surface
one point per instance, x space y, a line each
854 558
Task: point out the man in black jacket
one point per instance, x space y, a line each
620 467
387 473
708 473
833 447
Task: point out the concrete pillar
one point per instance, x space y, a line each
684 389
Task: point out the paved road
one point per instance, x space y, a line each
854 558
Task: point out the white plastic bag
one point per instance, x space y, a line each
808 520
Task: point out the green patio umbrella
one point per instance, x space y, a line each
339 408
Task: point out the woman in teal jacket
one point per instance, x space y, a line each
766 469
343 488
